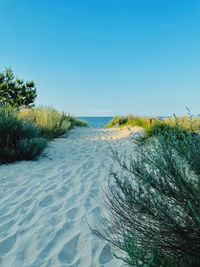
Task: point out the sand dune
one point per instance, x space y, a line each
45 203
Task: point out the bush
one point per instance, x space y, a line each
154 202
18 140
178 126
165 129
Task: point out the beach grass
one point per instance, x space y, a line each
51 122
154 126
77 122
129 120
177 126
24 133
19 140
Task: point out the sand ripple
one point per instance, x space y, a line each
44 203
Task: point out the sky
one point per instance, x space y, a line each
106 57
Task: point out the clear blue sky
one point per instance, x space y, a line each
106 57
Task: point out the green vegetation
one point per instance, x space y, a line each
129 120
18 140
114 122
76 122
178 127
154 201
189 123
14 92
166 129
24 133
51 122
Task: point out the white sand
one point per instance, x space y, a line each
44 204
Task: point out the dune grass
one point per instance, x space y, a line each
129 120
177 126
51 122
19 140
188 123
77 122
153 126
24 133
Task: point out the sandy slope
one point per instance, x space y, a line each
44 203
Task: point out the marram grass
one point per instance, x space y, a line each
24 133
153 126
177 126
19 140
51 122
129 120
77 122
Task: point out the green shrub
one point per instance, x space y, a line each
18 140
154 201
179 127
165 129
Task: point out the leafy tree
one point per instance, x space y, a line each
15 92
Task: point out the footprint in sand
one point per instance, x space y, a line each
71 213
6 227
43 214
7 244
105 255
46 201
49 188
68 252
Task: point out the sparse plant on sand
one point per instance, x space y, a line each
154 202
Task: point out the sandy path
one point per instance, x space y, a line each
44 203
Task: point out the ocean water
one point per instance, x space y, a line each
100 122
96 122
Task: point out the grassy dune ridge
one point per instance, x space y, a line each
18 139
24 133
129 120
51 122
153 126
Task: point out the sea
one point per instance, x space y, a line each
96 122
100 122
